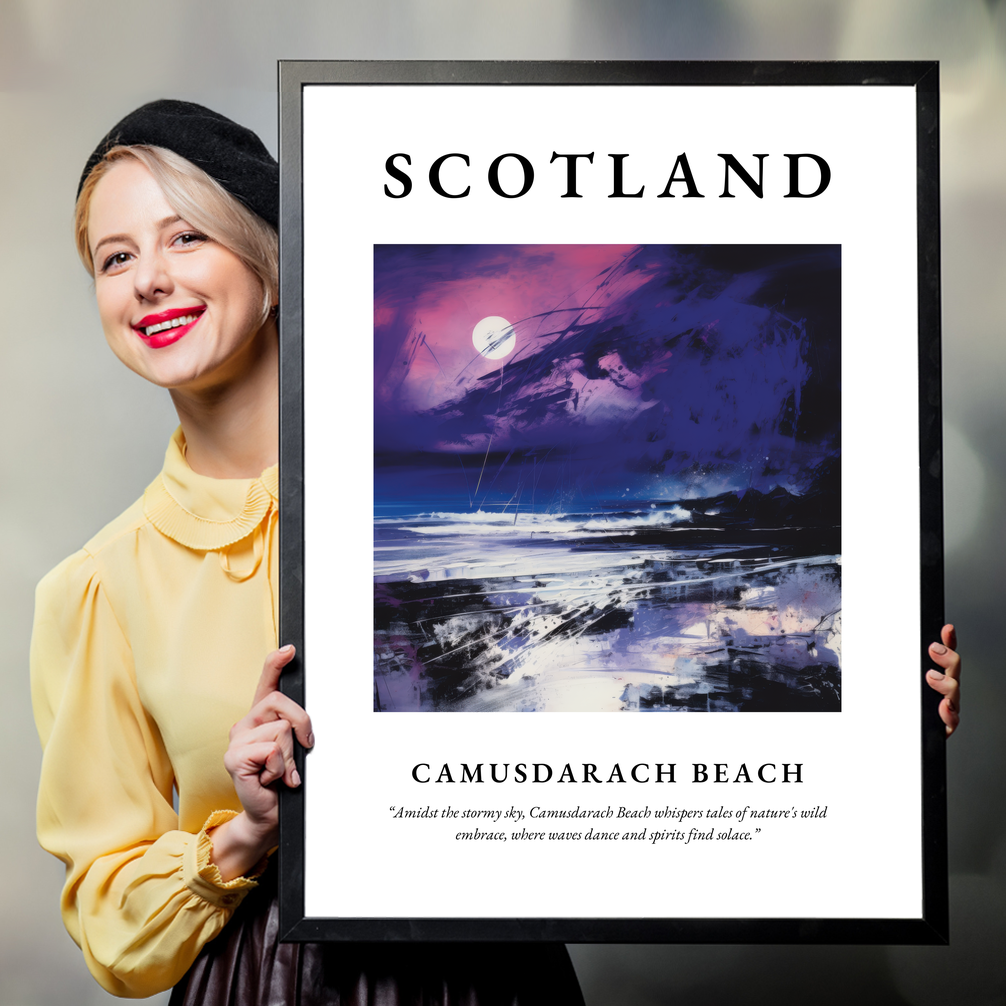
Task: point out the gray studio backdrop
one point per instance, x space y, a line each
82 436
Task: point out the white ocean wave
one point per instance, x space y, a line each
483 522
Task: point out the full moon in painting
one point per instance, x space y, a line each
494 337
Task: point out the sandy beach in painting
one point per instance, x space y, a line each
617 610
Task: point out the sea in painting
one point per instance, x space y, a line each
607 478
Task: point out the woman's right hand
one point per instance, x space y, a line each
948 681
259 754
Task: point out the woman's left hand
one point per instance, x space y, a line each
948 681
260 754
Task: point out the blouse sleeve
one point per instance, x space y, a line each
141 898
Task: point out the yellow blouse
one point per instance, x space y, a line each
147 647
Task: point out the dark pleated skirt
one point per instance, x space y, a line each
246 965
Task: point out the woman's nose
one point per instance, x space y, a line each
152 277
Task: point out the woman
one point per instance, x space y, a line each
148 643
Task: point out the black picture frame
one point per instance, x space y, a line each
931 925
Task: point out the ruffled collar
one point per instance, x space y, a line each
203 513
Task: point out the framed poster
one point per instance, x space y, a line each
610 397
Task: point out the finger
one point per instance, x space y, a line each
276 706
949 708
950 716
274 766
260 760
277 732
948 659
945 685
949 636
271 670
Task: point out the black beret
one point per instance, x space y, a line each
231 154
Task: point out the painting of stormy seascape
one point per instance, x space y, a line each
607 478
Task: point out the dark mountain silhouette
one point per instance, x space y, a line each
819 506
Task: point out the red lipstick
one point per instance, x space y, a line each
166 327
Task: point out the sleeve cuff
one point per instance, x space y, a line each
202 876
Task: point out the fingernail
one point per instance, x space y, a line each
295 777
951 706
937 675
287 649
310 740
938 648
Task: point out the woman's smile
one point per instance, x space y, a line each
159 330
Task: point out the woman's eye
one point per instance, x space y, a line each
190 238
114 261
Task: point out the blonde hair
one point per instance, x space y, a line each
199 200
